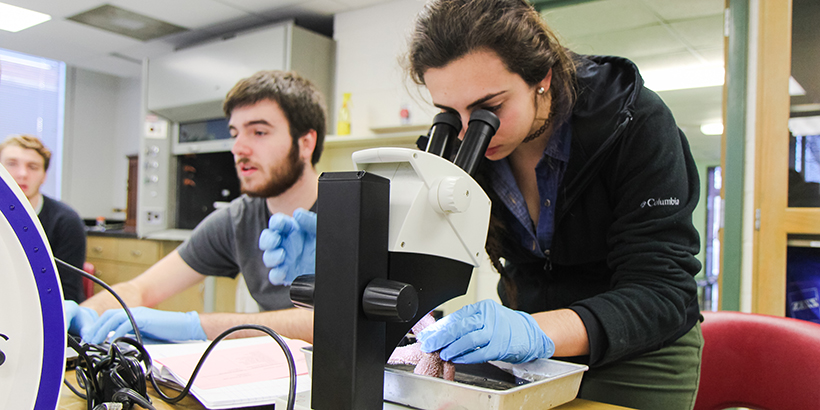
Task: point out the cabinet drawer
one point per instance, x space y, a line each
138 251
112 272
101 248
190 299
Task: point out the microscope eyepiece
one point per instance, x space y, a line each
487 117
480 130
449 119
443 135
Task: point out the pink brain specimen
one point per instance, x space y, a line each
429 364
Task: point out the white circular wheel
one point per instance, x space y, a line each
31 307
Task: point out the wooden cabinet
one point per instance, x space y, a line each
121 259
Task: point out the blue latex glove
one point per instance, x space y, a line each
290 246
487 331
78 317
155 324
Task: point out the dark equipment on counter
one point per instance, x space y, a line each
380 265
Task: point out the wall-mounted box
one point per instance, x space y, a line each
191 83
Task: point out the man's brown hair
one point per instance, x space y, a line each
29 142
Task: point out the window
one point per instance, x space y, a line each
708 285
32 101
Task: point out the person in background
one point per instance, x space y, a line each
592 187
277 121
27 160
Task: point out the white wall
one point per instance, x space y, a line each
369 43
101 128
128 126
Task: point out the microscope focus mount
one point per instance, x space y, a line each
395 240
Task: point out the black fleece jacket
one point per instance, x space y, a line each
623 252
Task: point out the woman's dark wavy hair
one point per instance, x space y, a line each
447 30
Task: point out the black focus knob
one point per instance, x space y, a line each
301 291
390 301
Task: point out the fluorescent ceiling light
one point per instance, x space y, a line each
26 62
803 126
712 129
14 19
795 88
680 78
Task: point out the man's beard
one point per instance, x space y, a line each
281 178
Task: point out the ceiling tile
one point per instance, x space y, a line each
633 43
701 32
356 4
707 107
64 40
598 17
180 12
57 9
679 58
712 55
149 49
685 9
259 6
666 60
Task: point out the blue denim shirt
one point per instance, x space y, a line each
549 173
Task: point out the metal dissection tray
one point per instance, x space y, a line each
540 384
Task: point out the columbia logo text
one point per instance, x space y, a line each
652 202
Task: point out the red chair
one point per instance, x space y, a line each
760 362
88 284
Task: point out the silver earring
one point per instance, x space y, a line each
540 90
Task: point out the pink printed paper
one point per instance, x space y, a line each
239 365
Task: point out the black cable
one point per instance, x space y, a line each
124 395
103 373
264 329
91 384
106 287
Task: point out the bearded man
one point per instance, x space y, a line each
277 120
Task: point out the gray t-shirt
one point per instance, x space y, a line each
226 242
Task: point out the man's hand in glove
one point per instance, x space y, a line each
78 317
290 246
155 324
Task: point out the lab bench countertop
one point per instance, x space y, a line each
69 401
112 233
